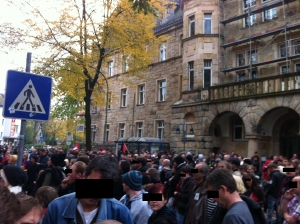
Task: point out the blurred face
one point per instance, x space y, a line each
157 205
250 169
7 154
33 217
199 175
183 155
221 166
296 190
72 176
248 181
221 199
183 176
290 174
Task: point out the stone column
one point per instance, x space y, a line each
253 144
205 144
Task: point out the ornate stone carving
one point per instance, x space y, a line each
204 95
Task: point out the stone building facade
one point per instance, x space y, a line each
232 70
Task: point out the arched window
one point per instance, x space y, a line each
162 55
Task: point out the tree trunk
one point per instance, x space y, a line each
87 115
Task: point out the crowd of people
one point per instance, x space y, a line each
194 189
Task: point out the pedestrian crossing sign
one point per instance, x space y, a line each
27 96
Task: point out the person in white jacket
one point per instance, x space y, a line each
133 199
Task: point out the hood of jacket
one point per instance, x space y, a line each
164 215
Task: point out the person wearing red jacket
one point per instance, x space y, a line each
265 168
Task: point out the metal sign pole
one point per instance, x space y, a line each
23 122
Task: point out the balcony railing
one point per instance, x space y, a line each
272 85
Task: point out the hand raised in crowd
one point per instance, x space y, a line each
64 183
288 195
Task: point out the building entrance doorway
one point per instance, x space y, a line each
290 138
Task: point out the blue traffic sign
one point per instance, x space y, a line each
41 138
27 96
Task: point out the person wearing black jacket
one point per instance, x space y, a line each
273 191
183 196
43 159
32 173
124 167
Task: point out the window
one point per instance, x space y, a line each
191 26
139 130
238 129
297 67
284 69
252 57
125 64
110 68
207 74
250 20
253 74
162 55
162 90
241 77
109 101
207 23
191 75
106 132
297 46
269 14
249 3
123 97
121 130
240 59
93 133
283 50
160 129
141 96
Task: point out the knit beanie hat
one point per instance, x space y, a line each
15 176
57 159
134 180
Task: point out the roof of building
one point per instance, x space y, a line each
174 19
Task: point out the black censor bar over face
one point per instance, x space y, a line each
292 184
94 188
152 197
288 170
68 171
212 194
194 170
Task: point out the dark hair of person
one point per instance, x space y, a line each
154 175
272 165
141 159
221 177
28 203
133 167
186 169
106 165
10 206
243 167
158 188
189 158
178 160
83 158
204 168
290 163
227 164
254 187
155 166
125 165
45 195
80 167
34 157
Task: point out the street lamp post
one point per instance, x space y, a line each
184 126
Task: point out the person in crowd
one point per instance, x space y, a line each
54 174
34 153
5 159
253 190
133 199
222 181
124 167
265 168
13 160
252 169
255 161
235 163
187 185
153 176
142 164
291 203
30 211
83 158
13 177
227 158
166 172
273 192
224 165
69 209
154 166
45 195
161 213
239 184
43 159
196 193
190 161
32 173
178 163
243 169
285 186
10 206
294 158
67 186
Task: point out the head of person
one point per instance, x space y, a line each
177 161
78 172
250 182
158 189
58 160
166 163
149 162
155 166
243 169
153 175
291 165
239 184
141 161
30 210
272 167
227 157
124 166
251 169
185 172
83 158
222 181
33 159
42 152
10 206
235 163
12 176
45 195
224 165
7 153
13 160
202 173
132 181
296 191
